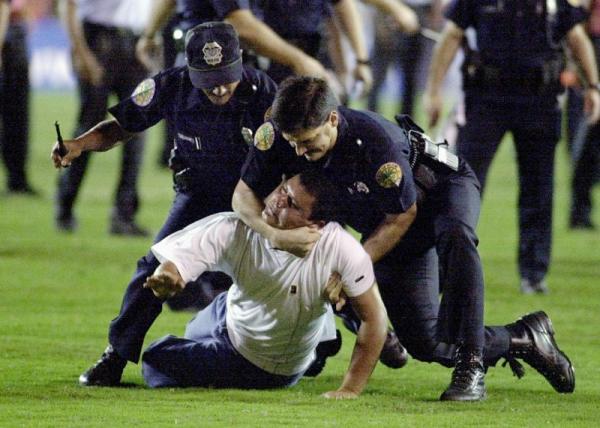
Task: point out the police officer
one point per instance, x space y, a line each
103 57
14 97
416 206
511 83
214 103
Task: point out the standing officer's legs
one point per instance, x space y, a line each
14 103
92 109
126 76
479 138
586 162
535 140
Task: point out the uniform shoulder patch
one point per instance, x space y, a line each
389 175
144 92
268 113
264 137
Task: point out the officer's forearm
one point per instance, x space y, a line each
161 12
104 136
264 40
249 208
352 26
369 340
389 232
583 51
444 52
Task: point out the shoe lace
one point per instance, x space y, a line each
517 368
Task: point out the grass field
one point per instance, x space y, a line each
59 292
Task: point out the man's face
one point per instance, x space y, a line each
220 95
289 205
314 143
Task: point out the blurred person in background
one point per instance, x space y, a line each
14 96
404 48
511 81
103 38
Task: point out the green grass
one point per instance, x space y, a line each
59 293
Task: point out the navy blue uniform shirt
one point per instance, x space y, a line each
515 33
208 137
368 159
294 18
194 12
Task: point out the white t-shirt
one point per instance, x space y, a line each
276 311
128 14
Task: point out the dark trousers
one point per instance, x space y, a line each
586 158
535 126
404 51
439 255
115 50
14 106
205 357
140 307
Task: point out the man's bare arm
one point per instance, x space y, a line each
389 232
104 136
369 341
268 43
444 52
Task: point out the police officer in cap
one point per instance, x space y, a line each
214 103
511 83
416 206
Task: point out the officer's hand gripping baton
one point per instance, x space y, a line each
62 149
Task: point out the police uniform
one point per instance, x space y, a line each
114 47
299 23
372 162
511 83
209 153
14 102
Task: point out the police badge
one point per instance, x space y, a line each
213 53
389 175
264 137
144 93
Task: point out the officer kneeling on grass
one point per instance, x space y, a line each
263 332
416 206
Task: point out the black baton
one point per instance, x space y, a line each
62 150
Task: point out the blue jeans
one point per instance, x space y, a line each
205 357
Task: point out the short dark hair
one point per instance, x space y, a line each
327 200
301 103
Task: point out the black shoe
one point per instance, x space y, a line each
106 372
532 340
581 222
126 228
66 224
24 190
467 382
393 354
324 350
530 287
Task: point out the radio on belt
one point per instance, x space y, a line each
438 152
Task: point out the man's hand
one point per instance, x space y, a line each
73 152
592 105
87 67
149 52
163 285
334 291
341 394
362 73
297 241
432 103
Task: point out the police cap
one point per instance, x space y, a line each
213 54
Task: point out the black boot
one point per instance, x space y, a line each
324 350
106 372
467 382
393 354
532 340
